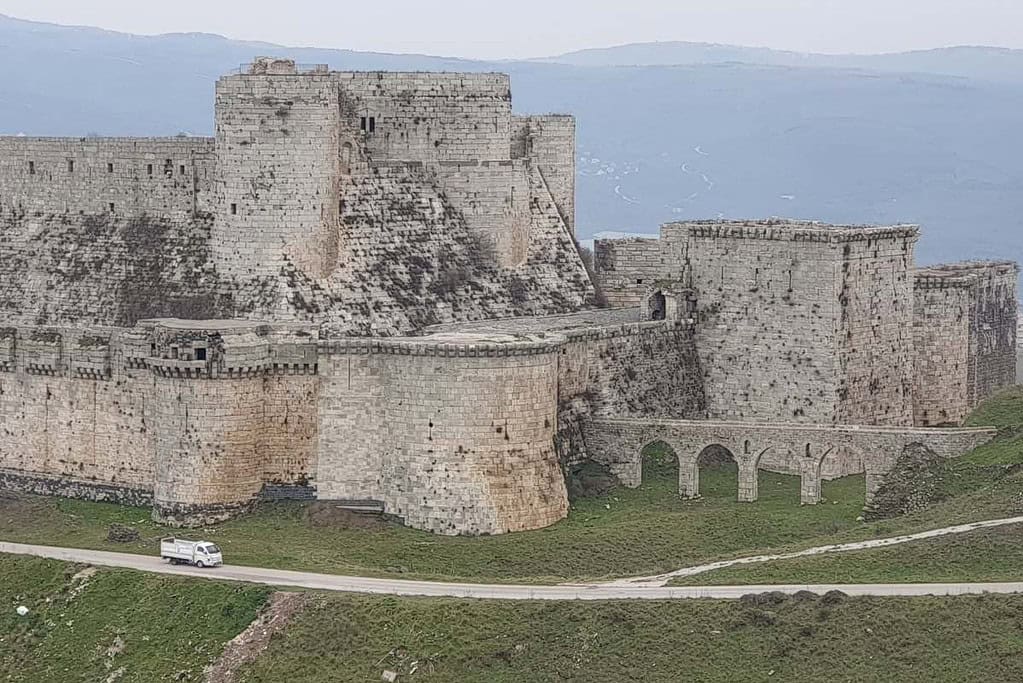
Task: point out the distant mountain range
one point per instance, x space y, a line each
666 130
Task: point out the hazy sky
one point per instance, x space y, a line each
524 28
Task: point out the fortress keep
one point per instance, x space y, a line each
365 288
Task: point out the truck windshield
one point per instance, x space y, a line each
212 549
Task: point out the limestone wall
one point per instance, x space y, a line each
74 416
453 434
494 198
431 117
128 176
195 417
277 173
550 142
965 330
626 268
875 326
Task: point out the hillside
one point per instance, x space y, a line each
124 627
818 139
984 63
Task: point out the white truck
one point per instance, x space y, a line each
197 553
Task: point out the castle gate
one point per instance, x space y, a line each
789 448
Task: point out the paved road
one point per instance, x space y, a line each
355 584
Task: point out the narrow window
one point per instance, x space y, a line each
200 354
234 209
31 168
168 167
149 169
110 168
70 165
639 282
363 123
111 207
341 206
372 123
182 169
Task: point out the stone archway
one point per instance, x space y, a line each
713 456
660 464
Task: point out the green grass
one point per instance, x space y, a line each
865 639
986 555
156 628
630 532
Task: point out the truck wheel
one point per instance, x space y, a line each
200 564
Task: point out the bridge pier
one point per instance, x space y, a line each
688 479
747 482
809 484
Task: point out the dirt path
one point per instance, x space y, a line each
663 579
250 643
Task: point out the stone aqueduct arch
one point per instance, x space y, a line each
790 448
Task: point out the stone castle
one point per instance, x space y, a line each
366 288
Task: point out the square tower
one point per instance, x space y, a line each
802 322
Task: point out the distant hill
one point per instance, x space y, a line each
990 63
695 132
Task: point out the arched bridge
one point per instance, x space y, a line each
814 452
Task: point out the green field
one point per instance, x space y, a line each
630 532
89 628
865 639
986 555
127 627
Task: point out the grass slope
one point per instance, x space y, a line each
148 628
813 639
631 532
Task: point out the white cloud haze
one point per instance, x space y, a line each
525 28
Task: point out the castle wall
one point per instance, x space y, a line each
156 176
430 117
767 321
626 268
278 173
453 435
993 329
965 331
550 142
75 421
875 331
941 330
494 198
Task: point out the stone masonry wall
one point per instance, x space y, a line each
799 322
626 268
430 117
875 332
993 328
941 331
73 412
550 142
965 327
277 173
138 415
453 434
127 176
494 198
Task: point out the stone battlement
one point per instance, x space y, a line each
791 230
